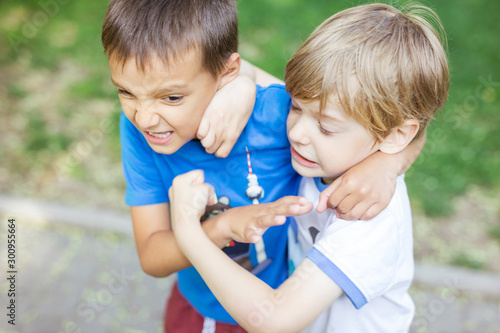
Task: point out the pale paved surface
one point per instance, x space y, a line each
82 279
72 279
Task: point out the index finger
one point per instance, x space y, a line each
324 196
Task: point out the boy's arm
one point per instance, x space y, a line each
367 188
251 302
159 253
157 248
265 79
227 114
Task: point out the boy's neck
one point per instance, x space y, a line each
328 180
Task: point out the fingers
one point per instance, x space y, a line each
196 177
287 206
342 190
352 209
203 129
217 139
254 235
213 144
372 211
336 198
226 146
224 149
192 178
220 145
209 141
212 196
324 196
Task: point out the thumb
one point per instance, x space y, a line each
325 195
195 177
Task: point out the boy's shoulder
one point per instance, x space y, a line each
266 128
399 206
375 255
270 97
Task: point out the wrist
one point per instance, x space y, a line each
393 165
218 230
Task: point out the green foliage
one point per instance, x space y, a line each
38 139
494 232
467 261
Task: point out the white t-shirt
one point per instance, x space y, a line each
372 261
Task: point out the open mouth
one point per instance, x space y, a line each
301 159
159 137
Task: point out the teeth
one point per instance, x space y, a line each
160 135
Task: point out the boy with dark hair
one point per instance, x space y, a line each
168 59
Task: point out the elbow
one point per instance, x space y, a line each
263 324
271 327
154 273
152 269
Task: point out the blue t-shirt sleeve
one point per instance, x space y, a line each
144 180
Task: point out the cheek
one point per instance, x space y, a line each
290 122
128 107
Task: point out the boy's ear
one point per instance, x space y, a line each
400 137
231 70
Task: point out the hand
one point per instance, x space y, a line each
227 115
189 196
247 224
362 192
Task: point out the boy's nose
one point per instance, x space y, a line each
297 133
146 115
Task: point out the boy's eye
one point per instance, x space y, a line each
173 99
295 109
324 131
124 92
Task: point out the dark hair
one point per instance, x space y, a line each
168 28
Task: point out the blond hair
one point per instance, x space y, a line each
385 66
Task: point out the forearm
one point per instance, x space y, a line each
160 255
253 303
247 70
237 290
400 163
257 75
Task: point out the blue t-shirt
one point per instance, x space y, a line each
149 175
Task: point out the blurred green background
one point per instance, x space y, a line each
59 112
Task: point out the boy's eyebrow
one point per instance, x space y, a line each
331 117
116 84
172 88
178 86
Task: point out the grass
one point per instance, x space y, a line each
55 87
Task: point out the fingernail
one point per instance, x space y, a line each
280 219
215 199
303 200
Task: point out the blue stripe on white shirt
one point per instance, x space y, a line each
355 295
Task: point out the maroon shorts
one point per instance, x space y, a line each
181 317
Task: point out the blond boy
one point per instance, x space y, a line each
368 79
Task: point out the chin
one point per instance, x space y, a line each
305 171
164 149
